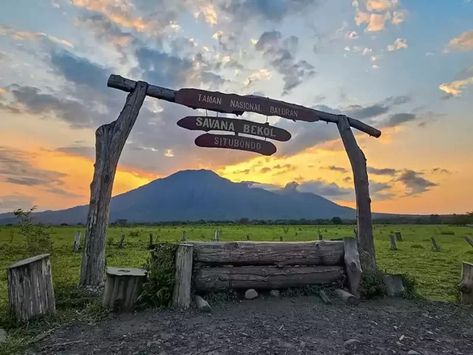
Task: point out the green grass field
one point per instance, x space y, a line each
437 273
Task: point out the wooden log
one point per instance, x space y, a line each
76 245
398 236
30 288
435 246
469 240
265 277
347 297
202 305
324 297
270 253
182 286
362 193
392 242
122 288
352 265
109 142
466 284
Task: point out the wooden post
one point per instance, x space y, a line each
30 288
122 288
76 245
392 242
321 237
363 201
121 243
216 235
469 240
281 238
183 238
151 243
466 285
346 296
435 246
398 236
247 237
352 265
182 287
110 139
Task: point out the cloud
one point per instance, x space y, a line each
382 171
456 87
338 169
19 35
463 42
279 52
399 43
399 118
376 13
10 203
414 183
328 190
16 168
380 190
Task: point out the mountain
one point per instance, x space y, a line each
193 195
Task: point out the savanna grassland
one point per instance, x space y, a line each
437 273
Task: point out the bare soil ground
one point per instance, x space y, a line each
300 325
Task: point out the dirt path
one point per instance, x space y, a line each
301 325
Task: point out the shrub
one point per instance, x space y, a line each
161 267
372 284
37 236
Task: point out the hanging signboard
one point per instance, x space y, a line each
236 104
204 123
235 142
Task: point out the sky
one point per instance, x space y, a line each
402 66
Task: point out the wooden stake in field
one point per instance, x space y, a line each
76 245
466 285
469 240
398 236
435 246
392 242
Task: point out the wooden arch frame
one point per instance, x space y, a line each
111 138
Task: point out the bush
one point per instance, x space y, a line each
409 283
372 284
161 267
37 236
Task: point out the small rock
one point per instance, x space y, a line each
413 352
274 293
351 342
3 335
251 294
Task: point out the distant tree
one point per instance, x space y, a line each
435 219
37 236
121 222
336 220
244 221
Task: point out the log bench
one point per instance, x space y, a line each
216 266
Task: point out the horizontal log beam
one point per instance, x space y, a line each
162 93
265 277
269 253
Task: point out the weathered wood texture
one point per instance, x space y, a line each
270 253
76 245
201 304
265 277
363 200
392 242
30 288
398 236
122 288
110 139
466 284
352 265
182 287
394 285
346 296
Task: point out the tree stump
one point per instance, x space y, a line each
122 288
394 285
182 287
151 242
392 242
352 264
76 245
466 285
30 288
